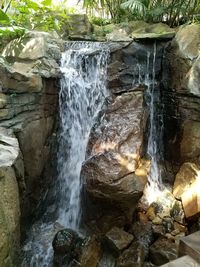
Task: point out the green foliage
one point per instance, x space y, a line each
172 12
99 21
169 11
32 14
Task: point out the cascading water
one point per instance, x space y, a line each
82 94
147 76
154 147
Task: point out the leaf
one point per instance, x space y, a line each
3 16
46 3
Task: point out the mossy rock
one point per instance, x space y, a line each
143 30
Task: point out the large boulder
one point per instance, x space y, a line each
114 151
9 198
190 146
184 60
78 27
186 188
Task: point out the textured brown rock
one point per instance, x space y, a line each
132 257
184 60
9 198
114 149
117 239
190 145
187 175
91 253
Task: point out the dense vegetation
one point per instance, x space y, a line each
18 15
171 12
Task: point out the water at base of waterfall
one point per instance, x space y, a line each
81 97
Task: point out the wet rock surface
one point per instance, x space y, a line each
114 153
117 240
132 257
72 250
163 251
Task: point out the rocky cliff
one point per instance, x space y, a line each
28 110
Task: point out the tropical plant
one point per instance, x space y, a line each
169 11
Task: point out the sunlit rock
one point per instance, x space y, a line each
188 41
154 31
183 57
186 187
17 80
114 149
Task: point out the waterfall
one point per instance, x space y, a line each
154 147
83 90
81 97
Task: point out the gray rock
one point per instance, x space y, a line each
132 257
162 251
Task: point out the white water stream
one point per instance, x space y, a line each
81 97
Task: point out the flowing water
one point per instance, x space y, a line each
147 76
81 97
154 147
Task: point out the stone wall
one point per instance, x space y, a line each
28 111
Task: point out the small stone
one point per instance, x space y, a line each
117 239
168 224
158 230
142 217
180 227
175 232
151 212
177 212
65 241
157 220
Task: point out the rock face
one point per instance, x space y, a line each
9 197
115 173
28 103
115 149
182 66
132 30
